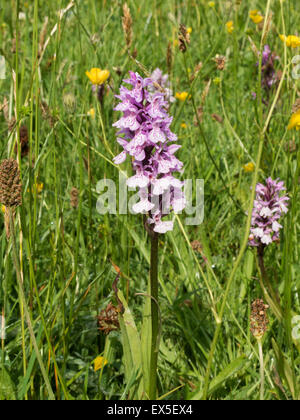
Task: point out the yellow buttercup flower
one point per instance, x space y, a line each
257 19
181 95
97 76
189 30
230 27
249 167
99 363
92 113
292 41
255 16
183 125
295 121
38 187
211 4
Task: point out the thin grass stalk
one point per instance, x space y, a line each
26 310
154 315
261 370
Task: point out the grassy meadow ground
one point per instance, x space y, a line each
69 254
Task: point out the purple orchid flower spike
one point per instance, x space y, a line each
145 135
269 74
268 208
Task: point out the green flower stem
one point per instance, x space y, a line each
264 276
25 307
154 314
261 370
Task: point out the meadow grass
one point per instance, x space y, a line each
68 254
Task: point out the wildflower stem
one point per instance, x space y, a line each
25 307
262 374
154 314
100 110
264 276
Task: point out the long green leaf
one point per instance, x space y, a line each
132 349
146 334
226 373
284 368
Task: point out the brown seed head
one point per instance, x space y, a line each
74 197
259 318
169 57
196 245
23 141
220 61
127 25
43 34
205 92
10 184
198 67
217 118
108 319
183 38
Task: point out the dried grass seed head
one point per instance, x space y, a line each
183 38
127 25
10 183
108 319
259 318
